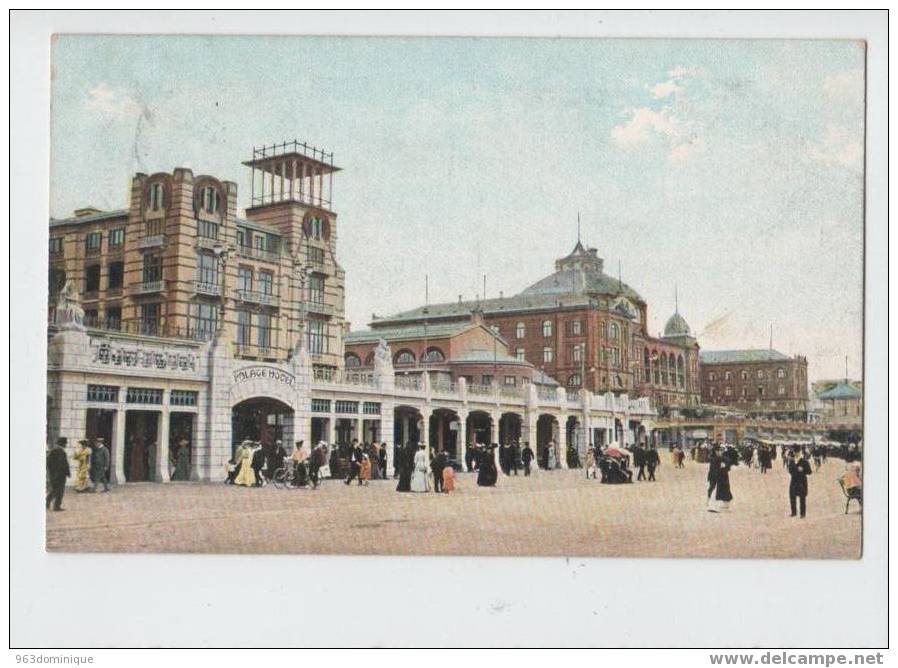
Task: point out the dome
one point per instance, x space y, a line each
676 326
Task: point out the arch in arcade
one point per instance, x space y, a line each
264 419
407 425
444 432
547 429
510 428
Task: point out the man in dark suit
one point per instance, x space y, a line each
382 460
639 460
99 466
440 461
652 460
258 463
355 462
57 472
799 470
527 458
513 455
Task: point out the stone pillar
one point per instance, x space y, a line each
494 436
461 437
162 473
332 430
562 445
360 429
440 444
425 429
403 432
117 469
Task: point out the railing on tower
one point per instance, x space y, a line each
292 171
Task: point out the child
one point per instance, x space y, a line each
590 464
448 479
365 472
230 471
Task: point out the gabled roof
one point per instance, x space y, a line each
843 390
458 310
440 330
740 356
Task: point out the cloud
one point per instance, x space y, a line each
685 151
643 124
680 72
664 89
110 102
839 147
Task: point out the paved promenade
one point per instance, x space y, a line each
553 514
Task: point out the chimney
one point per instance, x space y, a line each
501 294
459 299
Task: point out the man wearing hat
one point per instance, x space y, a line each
57 472
182 461
99 466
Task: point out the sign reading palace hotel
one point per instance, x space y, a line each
264 373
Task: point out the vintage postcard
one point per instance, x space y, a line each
456 296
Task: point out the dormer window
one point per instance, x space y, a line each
157 196
210 200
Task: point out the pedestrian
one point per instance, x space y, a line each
652 461
470 455
274 459
487 475
365 470
448 479
724 494
713 469
590 464
550 456
527 457
82 457
57 472
405 464
382 460
514 453
99 466
419 472
355 463
182 461
257 463
437 466
639 460
799 470
299 458
243 461
852 482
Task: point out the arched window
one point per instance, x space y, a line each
434 355
157 196
728 376
547 354
520 331
780 373
712 376
614 331
664 380
646 362
369 359
744 375
655 370
547 328
352 360
681 372
404 357
574 380
761 373
210 199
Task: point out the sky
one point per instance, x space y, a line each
731 169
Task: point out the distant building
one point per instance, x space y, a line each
584 328
842 401
763 383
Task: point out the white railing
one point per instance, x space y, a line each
319 308
408 383
337 377
151 241
203 288
147 287
547 393
257 254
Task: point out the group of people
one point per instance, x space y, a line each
366 461
254 464
415 470
92 459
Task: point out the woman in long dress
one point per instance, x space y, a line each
138 465
486 468
550 461
723 495
182 462
406 466
419 474
82 456
245 474
448 479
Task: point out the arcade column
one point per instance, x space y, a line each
462 439
117 469
162 473
562 456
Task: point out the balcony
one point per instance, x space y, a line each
148 287
255 352
254 297
206 243
258 254
320 308
151 241
210 289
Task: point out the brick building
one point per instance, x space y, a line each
586 330
179 258
763 383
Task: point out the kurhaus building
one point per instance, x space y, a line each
177 320
583 328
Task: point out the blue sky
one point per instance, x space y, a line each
731 168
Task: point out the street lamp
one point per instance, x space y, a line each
302 271
222 253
